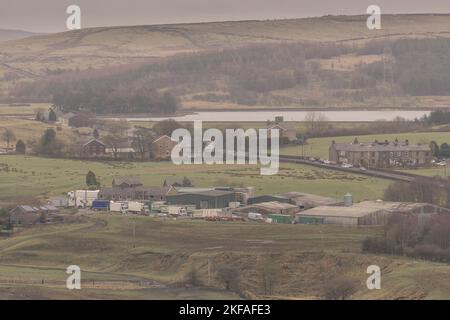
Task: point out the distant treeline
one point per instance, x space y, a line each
250 75
114 90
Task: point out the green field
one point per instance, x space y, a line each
304 258
318 147
42 177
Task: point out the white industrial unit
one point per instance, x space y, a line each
82 198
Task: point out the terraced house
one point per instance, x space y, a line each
381 154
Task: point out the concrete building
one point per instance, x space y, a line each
203 200
381 154
366 213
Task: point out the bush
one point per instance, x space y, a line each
340 288
229 276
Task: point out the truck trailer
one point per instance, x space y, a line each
102 205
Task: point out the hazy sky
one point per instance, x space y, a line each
50 15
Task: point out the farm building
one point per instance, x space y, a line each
135 193
203 200
267 198
281 218
299 199
274 207
127 182
268 208
28 215
365 213
306 200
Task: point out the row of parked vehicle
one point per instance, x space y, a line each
332 163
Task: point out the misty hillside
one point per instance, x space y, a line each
328 61
94 47
288 74
6 34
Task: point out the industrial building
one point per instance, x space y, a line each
212 199
268 208
299 199
366 213
307 200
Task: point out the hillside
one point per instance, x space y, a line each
167 52
301 264
7 34
97 47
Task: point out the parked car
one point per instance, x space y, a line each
347 165
362 169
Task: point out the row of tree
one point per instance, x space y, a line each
411 236
9 137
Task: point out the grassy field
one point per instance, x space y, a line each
23 110
41 177
304 258
318 147
30 130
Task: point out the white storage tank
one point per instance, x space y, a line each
348 200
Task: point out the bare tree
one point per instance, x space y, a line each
340 288
230 277
142 142
315 123
8 136
113 141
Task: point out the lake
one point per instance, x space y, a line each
261 116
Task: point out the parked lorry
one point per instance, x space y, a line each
82 198
177 211
118 207
207 213
135 207
255 216
102 205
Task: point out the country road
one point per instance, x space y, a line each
378 173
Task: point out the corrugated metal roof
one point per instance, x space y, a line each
362 209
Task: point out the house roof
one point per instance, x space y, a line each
162 137
274 205
277 126
380 146
210 193
93 140
149 191
309 199
131 180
